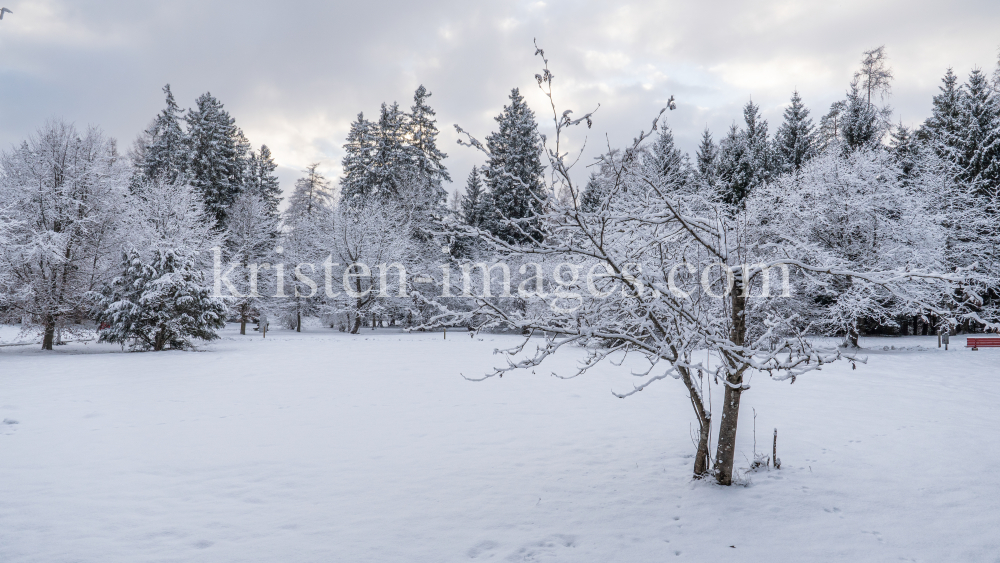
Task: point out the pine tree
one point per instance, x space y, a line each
217 151
795 139
514 173
166 150
261 181
472 204
159 302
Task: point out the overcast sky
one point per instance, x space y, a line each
294 74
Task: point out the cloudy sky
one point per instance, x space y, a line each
294 74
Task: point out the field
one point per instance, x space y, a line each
323 446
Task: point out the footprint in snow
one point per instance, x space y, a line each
482 548
548 547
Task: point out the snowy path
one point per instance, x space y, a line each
329 447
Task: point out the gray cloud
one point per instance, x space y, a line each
295 74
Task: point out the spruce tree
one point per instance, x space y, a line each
671 164
261 181
593 195
706 158
473 203
358 161
158 302
795 139
942 129
745 157
514 173
423 134
860 126
217 154
979 121
166 150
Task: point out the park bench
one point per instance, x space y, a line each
976 343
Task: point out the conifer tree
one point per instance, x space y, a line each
795 139
261 181
474 201
358 160
942 129
217 156
745 158
423 134
979 122
166 150
514 173
706 158
159 301
593 194
672 165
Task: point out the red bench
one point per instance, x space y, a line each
976 343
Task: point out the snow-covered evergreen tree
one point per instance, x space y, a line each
672 164
979 120
514 173
312 194
794 140
159 301
218 151
429 160
261 181
166 148
942 129
473 202
745 157
706 158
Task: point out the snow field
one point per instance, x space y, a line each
324 446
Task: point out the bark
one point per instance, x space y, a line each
726 450
50 332
727 435
852 336
298 321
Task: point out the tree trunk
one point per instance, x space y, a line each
356 326
726 451
852 336
50 332
298 321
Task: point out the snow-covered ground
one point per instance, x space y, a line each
322 446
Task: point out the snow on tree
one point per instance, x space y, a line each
422 136
942 129
165 149
251 234
474 201
745 158
369 241
979 121
641 243
310 209
517 194
261 181
669 161
62 192
794 141
161 296
160 301
706 158
218 152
